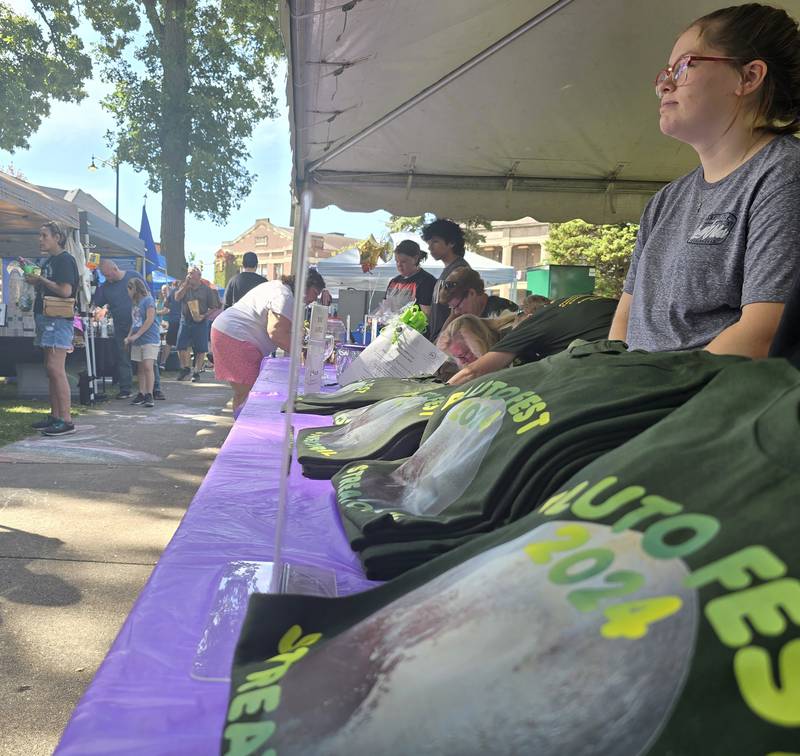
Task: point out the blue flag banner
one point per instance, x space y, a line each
146 235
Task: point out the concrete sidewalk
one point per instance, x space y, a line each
83 519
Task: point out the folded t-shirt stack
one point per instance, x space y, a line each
494 450
363 393
652 606
391 429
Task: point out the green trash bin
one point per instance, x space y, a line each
557 281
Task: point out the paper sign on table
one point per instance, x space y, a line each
409 355
315 353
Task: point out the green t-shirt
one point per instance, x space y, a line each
651 607
361 393
390 429
509 426
554 327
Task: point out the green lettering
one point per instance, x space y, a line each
760 605
573 537
650 506
271 675
598 560
632 619
732 571
467 414
561 501
588 599
489 420
494 387
255 701
586 507
703 528
529 411
456 396
245 738
476 389
293 639
543 419
507 393
752 667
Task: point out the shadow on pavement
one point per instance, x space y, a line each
20 585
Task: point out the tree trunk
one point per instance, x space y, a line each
175 133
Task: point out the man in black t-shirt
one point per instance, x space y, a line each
546 332
241 283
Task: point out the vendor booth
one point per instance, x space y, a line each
464 108
23 209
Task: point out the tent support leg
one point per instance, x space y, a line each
302 217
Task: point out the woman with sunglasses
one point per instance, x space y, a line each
718 249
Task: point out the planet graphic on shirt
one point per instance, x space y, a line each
493 657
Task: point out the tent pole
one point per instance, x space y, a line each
436 86
302 216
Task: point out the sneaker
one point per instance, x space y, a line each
162 368
42 424
138 399
148 401
59 428
184 374
124 395
195 377
159 395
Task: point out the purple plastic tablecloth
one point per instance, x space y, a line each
143 698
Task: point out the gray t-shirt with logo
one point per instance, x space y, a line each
704 250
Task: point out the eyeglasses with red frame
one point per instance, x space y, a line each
678 72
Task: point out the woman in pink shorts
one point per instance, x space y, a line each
259 323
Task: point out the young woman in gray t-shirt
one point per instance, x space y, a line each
718 250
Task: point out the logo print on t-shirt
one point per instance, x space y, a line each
714 229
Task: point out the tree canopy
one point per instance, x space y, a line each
195 80
38 63
191 79
606 248
473 238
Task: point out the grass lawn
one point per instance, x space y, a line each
16 415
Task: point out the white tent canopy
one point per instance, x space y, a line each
344 270
492 272
24 207
472 108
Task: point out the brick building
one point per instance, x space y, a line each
520 243
273 245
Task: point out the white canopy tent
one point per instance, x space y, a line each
468 108
463 107
344 269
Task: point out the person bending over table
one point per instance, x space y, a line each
468 337
254 327
546 332
717 250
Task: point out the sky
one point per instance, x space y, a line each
61 151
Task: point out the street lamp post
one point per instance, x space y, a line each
115 163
